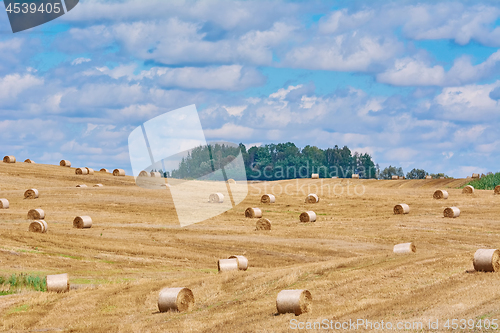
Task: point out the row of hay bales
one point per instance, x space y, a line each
66 163
38 214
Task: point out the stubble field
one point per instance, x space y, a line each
136 247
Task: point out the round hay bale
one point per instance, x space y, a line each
401 209
81 171
89 171
224 265
440 194
45 226
216 198
82 222
32 193
242 262
497 189
268 198
36 214
144 174
65 163
37 226
4 204
253 212
175 299
58 283
155 174
315 176
296 301
451 212
395 177
29 161
308 216
98 185
119 172
475 175
487 260
428 177
81 185
104 170
312 198
231 181
9 159
355 176
468 189
263 224
405 248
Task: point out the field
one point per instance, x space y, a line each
136 247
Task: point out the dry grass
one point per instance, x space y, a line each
345 259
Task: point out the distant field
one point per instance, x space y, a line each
135 248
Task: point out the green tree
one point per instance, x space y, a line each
416 174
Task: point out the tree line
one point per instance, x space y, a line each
283 161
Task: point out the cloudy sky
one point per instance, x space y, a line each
415 84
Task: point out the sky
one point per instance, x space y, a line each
414 84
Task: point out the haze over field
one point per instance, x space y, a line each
413 84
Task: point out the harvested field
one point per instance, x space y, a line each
136 248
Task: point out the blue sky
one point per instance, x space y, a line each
415 84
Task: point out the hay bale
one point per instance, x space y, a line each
468 189
404 248
45 226
81 171
37 226
65 163
395 177
475 175
81 185
4 204
29 161
441 177
104 170
58 283
428 177
268 198
9 159
155 174
401 209
119 172
175 299
231 181
98 185
312 198
242 262
253 212
32 193
335 177
144 174
308 216
82 222
296 301
440 194
216 198
315 176
451 212
224 265
263 224
89 171
487 260
355 176
497 189
36 214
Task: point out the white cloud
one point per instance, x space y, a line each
235 110
229 131
13 84
76 148
79 61
347 52
470 103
